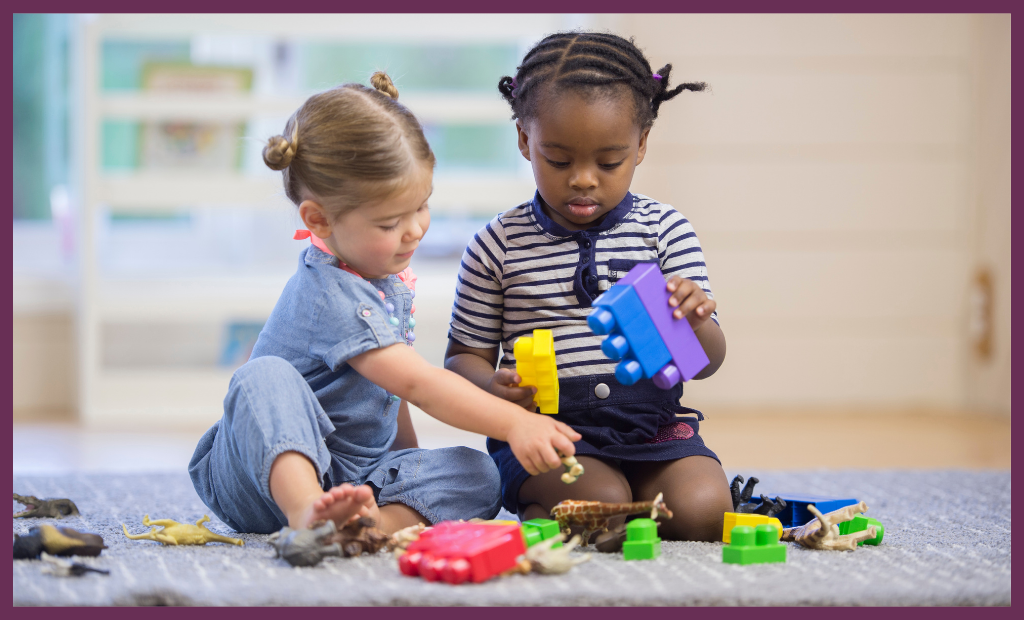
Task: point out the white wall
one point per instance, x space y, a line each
832 175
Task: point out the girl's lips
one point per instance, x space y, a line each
406 255
583 210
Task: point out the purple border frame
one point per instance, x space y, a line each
524 6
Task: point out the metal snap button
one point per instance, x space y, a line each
602 391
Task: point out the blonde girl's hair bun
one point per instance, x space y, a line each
383 83
279 152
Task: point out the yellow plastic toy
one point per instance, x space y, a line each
535 363
732 519
175 533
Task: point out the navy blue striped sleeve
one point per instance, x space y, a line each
479 299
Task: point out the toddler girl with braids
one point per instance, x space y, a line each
584 104
316 424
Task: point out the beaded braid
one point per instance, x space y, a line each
590 61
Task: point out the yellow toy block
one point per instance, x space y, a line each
732 519
535 363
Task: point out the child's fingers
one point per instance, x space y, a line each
549 457
507 377
705 309
568 431
563 445
689 304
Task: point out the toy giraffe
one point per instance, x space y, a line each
594 516
174 533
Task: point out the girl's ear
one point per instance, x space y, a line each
315 218
524 139
643 146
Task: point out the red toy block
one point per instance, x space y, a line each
455 551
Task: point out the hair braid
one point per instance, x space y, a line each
591 61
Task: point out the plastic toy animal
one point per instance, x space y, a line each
822 532
66 568
53 508
573 469
56 541
594 516
400 540
174 533
542 558
741 499
307 547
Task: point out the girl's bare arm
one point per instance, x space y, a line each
454 400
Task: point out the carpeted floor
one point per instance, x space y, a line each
947 542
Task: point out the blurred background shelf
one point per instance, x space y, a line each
172 254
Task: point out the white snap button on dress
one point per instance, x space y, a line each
602 391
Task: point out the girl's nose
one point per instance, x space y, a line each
583 179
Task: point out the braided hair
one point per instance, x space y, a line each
590 62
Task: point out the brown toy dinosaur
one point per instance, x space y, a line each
594 516
822 532
174 533
53 508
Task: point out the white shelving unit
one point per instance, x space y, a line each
191 397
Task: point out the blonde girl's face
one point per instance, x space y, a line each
379 238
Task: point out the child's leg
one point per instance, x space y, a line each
428 486
271 417
602 481
696 491
294 488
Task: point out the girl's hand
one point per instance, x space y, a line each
505 384
537 439
692 301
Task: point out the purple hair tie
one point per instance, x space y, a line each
515 88
656 76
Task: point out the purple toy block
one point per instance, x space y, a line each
687 354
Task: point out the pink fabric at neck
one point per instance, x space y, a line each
406 275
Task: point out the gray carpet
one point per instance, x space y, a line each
947 542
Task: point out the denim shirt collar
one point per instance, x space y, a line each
611 219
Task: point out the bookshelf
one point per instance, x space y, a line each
192 397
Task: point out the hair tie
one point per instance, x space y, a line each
656 76
515 88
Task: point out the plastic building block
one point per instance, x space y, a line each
754 545
537 530
861 523
632 336
535 363
688 357
642 332
732 519
456 551
796 514
642 542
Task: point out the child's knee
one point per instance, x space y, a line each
700 516
478 477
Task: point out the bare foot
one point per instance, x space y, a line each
340 504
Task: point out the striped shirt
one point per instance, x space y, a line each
523 271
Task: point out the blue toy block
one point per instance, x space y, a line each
796 514
687 354
632 336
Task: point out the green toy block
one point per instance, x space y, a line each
860 523
754 545
642 542
536 530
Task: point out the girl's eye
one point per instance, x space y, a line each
612 166
557 164
390 228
